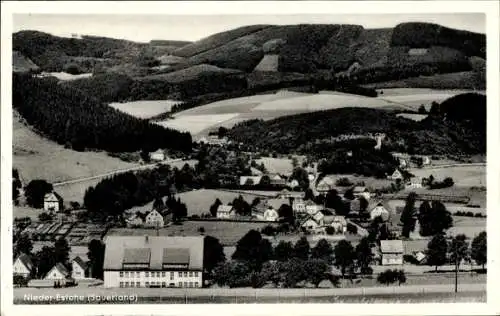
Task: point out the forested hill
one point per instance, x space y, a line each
79 121
451 128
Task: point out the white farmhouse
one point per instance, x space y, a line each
153 261
52 202
154 219
225 211
23 265
78 268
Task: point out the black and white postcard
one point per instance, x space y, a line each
296 157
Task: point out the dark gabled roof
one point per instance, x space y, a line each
26 261
80 262
175 256
136 255
59 266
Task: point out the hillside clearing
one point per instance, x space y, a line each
39 158
64 76
144 109
227 113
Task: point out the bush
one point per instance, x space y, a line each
343 182
269 230
352 229
72 69
391 276
330 230
19 280
45 217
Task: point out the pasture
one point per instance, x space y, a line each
37 157
278 165
228 233
199 120
199 201
144 109
469 226
463 175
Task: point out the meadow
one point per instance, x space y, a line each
200 120
36 157
144 109
463 175
228 232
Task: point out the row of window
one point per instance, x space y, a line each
159 284
157 274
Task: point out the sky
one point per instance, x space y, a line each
143 28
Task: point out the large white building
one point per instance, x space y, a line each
153 261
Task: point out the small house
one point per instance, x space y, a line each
309 224
293 184
391 252
396 175
415 183
58 272
225 211
319 218
79 268
135 220
380 209
23 265
312 208
271 215
154 219
339 223
52 202
158 155
298 206
361 191
250 180
255 171
277 180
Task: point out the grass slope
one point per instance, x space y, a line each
39 158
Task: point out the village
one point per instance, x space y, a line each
154 246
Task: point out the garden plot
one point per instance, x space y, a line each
463 175
144 109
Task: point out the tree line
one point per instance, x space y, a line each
256 262
78 121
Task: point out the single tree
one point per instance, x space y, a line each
23 245
35 192
437 249
364 256
408 216
213 253
388 277
422 110
316 270
44 261
323 250
232 274
274 272
478 249
459 250
61 251
401 277
286 213
309 195
158 204
214 207
301 249
344 256
349 194
253 249
294 272
283 251
96 258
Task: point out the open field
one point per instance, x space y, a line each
414 117
462 175
199 201
144 109
369 182
268 106
39 158
228 232
278 165
469 226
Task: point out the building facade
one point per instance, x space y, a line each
23 266
153 261
154 219
52 202
225 211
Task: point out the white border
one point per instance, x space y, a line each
490 8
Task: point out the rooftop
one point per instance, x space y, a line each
391 246
154 250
